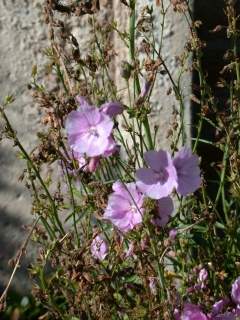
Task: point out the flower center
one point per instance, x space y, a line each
162 175
133 208
93 131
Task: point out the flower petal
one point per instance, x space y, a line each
76 123
165 209
188 172
157 159
146 176
105 126
112 109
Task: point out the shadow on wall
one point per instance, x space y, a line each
211 14
11 232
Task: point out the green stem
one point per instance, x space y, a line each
48 228
27 157
73 206
223 172
137 87
160 269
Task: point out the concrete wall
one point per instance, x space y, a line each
22 37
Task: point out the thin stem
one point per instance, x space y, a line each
73 206
27 157
137 88
17 263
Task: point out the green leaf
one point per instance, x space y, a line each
133 279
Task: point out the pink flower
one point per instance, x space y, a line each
99 248
152 285
159 180
225 316
219 306
93 164
130 250
192 312
112 109
112 148
203 275
83 103
125 206
235 293
202 278
89 130
165 209
86 165
177 314
145 89
188 172
172 234
82 161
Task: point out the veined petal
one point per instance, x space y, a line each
83 103
124 207
95 146
105 126
76 123
112 109
93 117
156 159
188 171
146 175
165 209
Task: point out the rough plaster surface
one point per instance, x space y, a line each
22 36
175 36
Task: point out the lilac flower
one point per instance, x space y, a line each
125 206
152 285
188 172
202 277
165 209
82 161
83 103
93 164
112 109
235 293
225 316
86 165
192 312
177 314
237 310
99 248
143 244
145 89
130 250
112 148
219 306
160 178
172 234
89 130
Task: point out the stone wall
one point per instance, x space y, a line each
22 37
